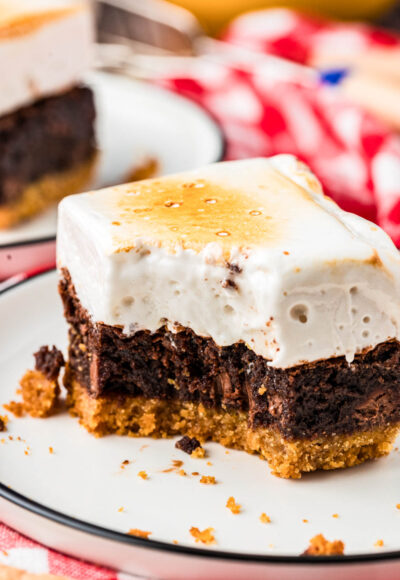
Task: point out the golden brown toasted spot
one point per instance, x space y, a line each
264 519
320 546
205 537
168 211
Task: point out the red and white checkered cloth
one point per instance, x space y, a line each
268 106
20 552
301 38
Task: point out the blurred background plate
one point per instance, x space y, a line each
140 128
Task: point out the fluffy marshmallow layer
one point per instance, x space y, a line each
45 47
246 251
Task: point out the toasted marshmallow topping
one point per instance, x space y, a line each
45 47
246 251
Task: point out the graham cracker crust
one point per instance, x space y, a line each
46 191
137 416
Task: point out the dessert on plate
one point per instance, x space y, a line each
234 303
47 144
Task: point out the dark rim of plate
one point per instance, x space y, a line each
104 533
200 110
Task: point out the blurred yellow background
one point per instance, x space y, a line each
214 14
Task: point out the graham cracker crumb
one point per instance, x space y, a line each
175 542
39 394
143 474
182 472
139 533
262 390
398 506
205 537
305 521
51 450
124 463
208 480
3 422
4 552
199 453
209 463
335 515
195 473
264 519
233 506
320 546
121 509
378 544
17 409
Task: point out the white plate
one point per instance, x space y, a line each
135 120
82 481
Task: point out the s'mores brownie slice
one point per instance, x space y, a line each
47 144
234 303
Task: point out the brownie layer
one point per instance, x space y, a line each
48 137
312 400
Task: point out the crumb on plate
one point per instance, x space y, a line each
191 446
320 546
205 537
264 519
233 506
139 533
378 544
208 480
143 474
3 422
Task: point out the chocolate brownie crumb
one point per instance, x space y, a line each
188 444
49 362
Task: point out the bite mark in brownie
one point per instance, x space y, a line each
50 136
328 397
